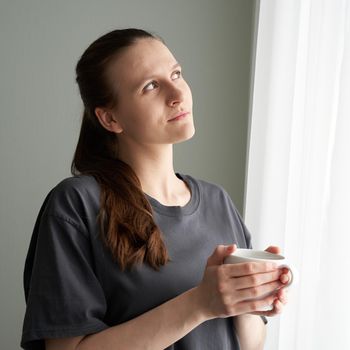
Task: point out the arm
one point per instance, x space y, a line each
226 290
243 325
155 329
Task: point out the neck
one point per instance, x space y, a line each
154 168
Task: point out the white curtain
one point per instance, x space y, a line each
298 183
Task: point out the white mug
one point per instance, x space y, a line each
250 255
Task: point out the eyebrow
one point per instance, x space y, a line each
150 77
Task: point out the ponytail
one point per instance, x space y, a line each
125 218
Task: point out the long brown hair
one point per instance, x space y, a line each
125 218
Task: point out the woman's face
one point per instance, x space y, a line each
151 91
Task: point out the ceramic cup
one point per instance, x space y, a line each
251 255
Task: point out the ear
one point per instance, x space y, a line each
107 120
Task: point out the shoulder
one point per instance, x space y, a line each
212 194
78 183
215 199
79 193
207 188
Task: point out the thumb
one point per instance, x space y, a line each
220 253
273 249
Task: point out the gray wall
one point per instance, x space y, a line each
41 42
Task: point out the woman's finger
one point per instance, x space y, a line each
277 309
257 279
282 295
253 306
248 268
273 249
257 292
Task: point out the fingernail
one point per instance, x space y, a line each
284 278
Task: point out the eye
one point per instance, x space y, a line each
177 73
150 86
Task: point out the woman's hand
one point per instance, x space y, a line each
227 289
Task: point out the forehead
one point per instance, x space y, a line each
144 58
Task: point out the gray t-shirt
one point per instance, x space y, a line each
73 287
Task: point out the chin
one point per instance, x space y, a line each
186 135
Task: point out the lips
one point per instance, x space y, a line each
178 116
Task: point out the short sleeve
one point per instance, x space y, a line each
245 237
64 297
247 234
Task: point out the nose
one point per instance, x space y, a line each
175 96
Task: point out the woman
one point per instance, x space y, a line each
127 254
